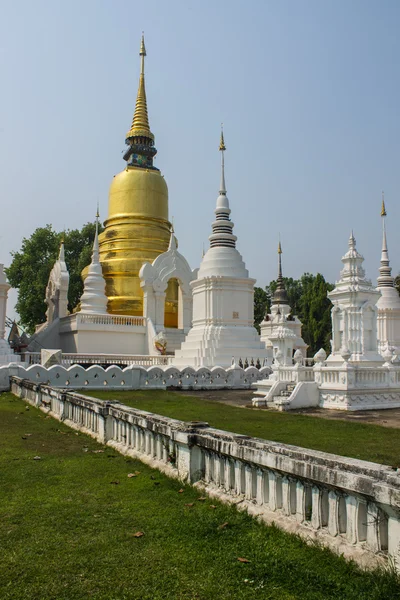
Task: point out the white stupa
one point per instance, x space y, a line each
354 313
94 299
281 325
223 296
389 303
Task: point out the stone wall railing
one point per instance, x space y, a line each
350 505
72 358
134 377
349 376
114 320
293 374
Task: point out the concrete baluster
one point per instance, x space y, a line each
248 493
351 519
316 511
300 502
260 487
272 490
227 474
238 477
207 471
333 525
286 495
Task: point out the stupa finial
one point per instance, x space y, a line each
140 127
383 209
385 278
222 141
280 294
222 227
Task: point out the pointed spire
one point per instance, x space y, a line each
61 254
222 226
385 278
383 209
172 240
140 124
280 295
94 299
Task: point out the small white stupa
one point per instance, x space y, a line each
389 303
94 299
223 296
280 325
354 313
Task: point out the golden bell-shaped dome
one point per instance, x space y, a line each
137 229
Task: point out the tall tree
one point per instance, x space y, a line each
31 265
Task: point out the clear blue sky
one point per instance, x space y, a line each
309 93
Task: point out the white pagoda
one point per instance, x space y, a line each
223 295
354 313
280 329
389 303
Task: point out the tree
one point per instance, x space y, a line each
315 312
261 306
31 265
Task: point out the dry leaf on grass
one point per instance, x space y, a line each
213 506
28 434
115 482
37 458
223 525
202 499
180 491
190 504
138 534
94 451
243 560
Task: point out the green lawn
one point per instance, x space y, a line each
68 522
357 440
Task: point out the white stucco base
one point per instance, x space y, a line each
213 345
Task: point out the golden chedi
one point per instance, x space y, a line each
137 229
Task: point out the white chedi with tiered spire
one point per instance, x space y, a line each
94 299
223 296
280 329
354 313
389 303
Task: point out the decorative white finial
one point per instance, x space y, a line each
385 278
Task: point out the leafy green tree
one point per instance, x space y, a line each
315 312
261 306
31 265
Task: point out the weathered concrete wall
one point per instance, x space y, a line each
350 505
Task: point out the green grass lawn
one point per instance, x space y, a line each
357 440
68 522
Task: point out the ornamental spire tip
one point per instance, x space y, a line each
383 208
222 141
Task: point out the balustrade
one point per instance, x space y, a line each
343 498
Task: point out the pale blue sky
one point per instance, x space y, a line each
309 93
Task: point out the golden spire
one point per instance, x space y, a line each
279 247
140 123
222 142
383 209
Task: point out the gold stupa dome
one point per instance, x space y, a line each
137 229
